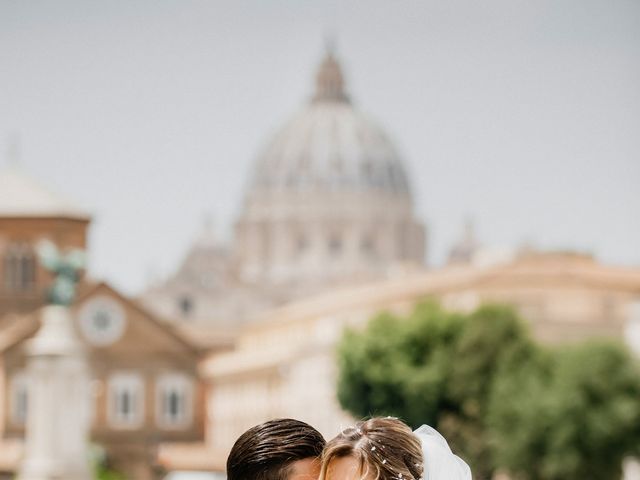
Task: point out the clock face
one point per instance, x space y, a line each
102 321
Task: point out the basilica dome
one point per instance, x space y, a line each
328 197
330 145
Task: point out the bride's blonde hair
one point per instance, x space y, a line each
385 448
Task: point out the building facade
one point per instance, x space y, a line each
145 387
328 203
288 360
329 198
326 237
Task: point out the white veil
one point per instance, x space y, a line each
439 461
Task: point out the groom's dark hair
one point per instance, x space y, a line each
266 451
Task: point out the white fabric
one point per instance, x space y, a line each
439 461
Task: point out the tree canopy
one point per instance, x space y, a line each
503 401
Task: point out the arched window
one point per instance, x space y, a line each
302 244
27 271
10 268
368 244
19 267
185 304
335 244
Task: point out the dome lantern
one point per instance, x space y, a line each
330 81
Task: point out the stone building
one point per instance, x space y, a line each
328 203
204 299
326 238
287 360
145 383
329 198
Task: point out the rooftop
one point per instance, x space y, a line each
22 196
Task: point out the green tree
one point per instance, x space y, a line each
575 416
433 367
399 367
502 400
494 344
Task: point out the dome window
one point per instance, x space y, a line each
335 244
302 244
367 169
185 304
368 245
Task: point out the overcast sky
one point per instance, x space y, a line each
522 114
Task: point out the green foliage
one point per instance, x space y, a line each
517 423
101 466
502 400
575 420
432 367
399 366
105 474
494 344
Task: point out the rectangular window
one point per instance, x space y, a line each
126 400
174 399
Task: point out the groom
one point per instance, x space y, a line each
283 449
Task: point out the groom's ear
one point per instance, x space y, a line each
269 451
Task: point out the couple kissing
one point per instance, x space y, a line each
381 448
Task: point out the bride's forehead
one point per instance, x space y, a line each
307 469
343 468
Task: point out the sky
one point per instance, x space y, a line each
522 115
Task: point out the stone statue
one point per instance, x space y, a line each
66 269
58 421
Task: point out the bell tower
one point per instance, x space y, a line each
30 213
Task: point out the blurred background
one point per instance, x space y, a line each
251 178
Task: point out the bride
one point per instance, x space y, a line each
387 449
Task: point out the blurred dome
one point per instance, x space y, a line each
328 199
329 145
